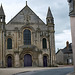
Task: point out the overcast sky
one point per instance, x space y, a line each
60 11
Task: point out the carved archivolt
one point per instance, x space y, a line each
27 27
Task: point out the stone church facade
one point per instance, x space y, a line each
26 40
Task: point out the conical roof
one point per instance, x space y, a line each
2 11
49 14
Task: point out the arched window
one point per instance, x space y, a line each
9 43
27 37
44 43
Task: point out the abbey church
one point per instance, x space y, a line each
26 40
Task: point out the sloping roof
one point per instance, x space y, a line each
66 50
20 17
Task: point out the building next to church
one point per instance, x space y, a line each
26 40
65 55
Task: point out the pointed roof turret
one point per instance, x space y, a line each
1 11
49 14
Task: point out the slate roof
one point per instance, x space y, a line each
66 50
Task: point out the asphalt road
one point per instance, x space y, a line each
59 71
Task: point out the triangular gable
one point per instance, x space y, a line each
24 16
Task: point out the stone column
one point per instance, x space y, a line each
4 48
1 57
16 62
40 60
52 40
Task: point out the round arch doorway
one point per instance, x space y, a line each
9 61
27 60
44 61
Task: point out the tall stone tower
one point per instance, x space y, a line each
2 36
50 28
72 20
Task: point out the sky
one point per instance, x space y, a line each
60 12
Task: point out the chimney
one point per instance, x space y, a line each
67 44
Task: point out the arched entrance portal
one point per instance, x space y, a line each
45 61
9 61
27 60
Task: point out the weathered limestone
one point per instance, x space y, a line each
16 59
37 49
